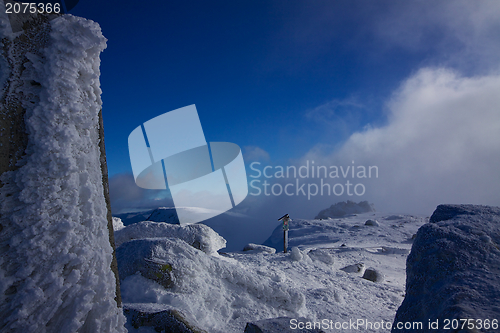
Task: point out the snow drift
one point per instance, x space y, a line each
209 290
55 271
197 235
453 268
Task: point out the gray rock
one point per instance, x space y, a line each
141 256
255 248
167 320
343 208
453 267
281 325
356 268
373 223
394 217
296 254
373 275
321 255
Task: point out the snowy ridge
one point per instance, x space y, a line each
54 204
220 294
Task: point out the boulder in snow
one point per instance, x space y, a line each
373 223
255 248
345 208
453 267
373 275
356 268
282 325
198 235
148 257
166 320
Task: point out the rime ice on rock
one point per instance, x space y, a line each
55 261
453 267
197 235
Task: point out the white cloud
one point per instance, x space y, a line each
254 153
441 144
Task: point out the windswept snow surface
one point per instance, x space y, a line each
221 293
55 271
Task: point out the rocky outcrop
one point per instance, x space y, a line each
198 235
282 325
453 268
345 208
166 320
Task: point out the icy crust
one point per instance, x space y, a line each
55 275
197 235
453 267
214 293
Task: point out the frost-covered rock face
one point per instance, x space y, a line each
453 267
345 208
55 263
198 235
209 290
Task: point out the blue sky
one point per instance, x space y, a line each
253 68
409 86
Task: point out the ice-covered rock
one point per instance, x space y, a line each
321 255
255 248
198 235
210 290
373 223
282 325
160 318
355 268
373 275
453 267
345 208
117 224
55 249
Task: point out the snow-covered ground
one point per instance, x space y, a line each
222 292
